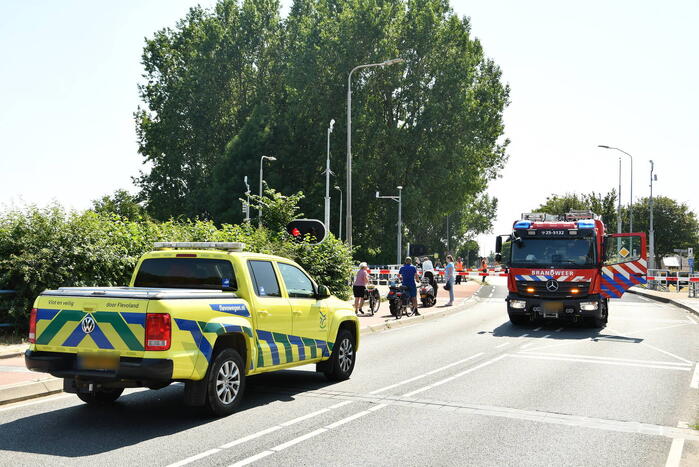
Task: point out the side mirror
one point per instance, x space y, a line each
323 292
498 256
498 244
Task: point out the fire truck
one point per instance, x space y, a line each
568 267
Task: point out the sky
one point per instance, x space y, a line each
620 73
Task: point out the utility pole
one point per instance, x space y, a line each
399 199
339 218
259 210
631 200
247 203
327 179
651 232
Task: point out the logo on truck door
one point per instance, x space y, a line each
88 324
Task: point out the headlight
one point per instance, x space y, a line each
518 304
588 306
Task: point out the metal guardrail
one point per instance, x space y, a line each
662 279
5 294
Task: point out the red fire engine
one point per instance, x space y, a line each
568 267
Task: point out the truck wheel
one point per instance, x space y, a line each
518 320
341 363
600 321
101 396
225 383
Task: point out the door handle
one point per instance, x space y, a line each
263 312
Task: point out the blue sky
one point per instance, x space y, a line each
621 73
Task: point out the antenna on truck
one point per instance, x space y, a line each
229 246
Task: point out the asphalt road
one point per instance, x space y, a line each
466 389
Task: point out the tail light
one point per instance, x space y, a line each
158 331
32 326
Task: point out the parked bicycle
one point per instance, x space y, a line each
372 298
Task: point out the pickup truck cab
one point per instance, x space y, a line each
206 314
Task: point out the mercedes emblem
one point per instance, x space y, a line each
552 285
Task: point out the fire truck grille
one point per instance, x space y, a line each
565 289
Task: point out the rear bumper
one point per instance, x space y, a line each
540 307
63 365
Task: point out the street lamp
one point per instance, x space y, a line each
399 199
327 179
259 209
349 141
247 195
651 232
339 217
631 201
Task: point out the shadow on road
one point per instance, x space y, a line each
80 430
569 332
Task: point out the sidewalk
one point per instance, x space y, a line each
17 383
678 299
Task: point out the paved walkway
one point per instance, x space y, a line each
680 299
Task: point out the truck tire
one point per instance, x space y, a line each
600 321
225 382
518 320
341 363
101 396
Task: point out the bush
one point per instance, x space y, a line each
48 248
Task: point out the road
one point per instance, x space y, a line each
466 389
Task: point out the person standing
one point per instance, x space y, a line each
359 288
408 277
484 268
449 276
459 269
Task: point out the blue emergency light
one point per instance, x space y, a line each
523 224
586 224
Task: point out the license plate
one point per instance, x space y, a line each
97 362
553 307
423 295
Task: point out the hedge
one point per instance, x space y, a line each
46 248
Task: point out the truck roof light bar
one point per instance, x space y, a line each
580 214
539 216
229 246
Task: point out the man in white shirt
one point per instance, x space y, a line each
427 267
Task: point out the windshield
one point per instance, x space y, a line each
559 252
188 273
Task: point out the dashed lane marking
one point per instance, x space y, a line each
502 345
602 362
695 377
674 457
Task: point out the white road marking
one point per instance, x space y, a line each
675 455
195 458
458 375
348 419
612 359
252 459
242 440
537 329
502 345
692 319
667 353
298 439
43 399
602 362
415 378
660 328
650 320
695 377
523 336
546 336
558 330
527 345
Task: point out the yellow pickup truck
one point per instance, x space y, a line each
203 313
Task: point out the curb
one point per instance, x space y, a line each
30 390
396 323
664 300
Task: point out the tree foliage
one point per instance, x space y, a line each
122 203
48 248
604 205
229 85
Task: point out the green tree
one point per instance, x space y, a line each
603 205
227 86
277 210
121 203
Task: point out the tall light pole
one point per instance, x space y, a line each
348 227
327 179
259 209
339 217
399 199
651 232
247 203
631 200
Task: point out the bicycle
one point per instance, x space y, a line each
373 298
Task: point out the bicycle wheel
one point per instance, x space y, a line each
374 302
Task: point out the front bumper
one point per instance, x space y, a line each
564 308
145 371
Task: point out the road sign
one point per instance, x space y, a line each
690 252
311 230
624 252
682 251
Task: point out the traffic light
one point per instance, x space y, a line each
311 230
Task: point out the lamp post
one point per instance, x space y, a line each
349 142
399 199
651 232
259 210
247 203
631 200
327 178
339 222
